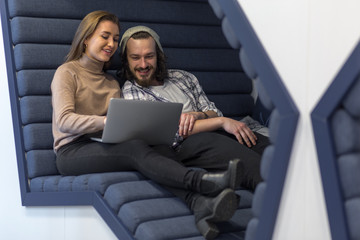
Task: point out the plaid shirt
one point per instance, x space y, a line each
186 82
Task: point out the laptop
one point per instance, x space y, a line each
154 122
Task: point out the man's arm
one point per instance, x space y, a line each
239 129
203 108
188 119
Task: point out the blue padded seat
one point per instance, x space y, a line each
136 212
40 34
87 182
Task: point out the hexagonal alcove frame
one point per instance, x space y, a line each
321 120
283 103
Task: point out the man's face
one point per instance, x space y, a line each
142 58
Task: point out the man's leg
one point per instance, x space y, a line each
261 143
212 151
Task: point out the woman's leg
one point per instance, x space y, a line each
86 156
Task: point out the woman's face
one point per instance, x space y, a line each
103 43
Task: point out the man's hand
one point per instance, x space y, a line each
187 121
241 131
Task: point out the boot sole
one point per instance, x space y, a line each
207 229
225 206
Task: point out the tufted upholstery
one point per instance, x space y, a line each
268 155
345 127
273 108
39 34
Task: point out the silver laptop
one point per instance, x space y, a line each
153 122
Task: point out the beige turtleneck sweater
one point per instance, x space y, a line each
81 92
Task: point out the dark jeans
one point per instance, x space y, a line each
166 166
261 143
213 151
85 156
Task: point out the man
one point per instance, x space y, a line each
197 145
150 80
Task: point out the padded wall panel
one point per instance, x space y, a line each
61 31
41 163
39 56
194 59
34 82
36 109
31 30
165 11
224 82
244 104
38 136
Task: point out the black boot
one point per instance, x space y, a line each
209 211
213 183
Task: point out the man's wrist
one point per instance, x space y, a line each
205 115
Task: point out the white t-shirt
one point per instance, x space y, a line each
174 94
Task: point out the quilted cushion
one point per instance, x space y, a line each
89 182
349 166
346 132
352 100
352 208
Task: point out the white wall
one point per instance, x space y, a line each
307 40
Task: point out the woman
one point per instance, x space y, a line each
81 91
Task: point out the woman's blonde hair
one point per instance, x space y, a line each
86 28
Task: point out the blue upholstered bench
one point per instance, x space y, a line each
38 34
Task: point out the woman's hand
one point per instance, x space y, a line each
240 130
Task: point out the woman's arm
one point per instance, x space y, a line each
66 118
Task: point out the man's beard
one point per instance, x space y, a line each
142 82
